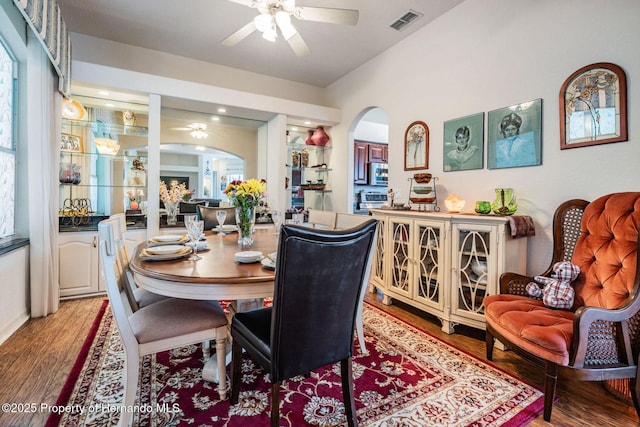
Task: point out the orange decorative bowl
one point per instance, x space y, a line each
422 178
422 199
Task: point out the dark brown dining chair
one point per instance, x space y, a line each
597 339
319 276
208 215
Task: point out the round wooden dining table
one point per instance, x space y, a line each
216 276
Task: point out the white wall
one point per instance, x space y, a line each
14 305
488 54
128 57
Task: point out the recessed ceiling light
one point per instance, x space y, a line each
307 122
294 129
215 118
103 92
200 148
108 104
222 110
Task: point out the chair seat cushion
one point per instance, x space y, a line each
144 297
254 328
528 324
173 317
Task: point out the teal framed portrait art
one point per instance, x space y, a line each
514 136
463 145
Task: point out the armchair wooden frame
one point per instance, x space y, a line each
591 357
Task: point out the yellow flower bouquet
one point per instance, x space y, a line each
246 196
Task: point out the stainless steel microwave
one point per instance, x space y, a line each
378 174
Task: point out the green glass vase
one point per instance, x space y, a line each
505 202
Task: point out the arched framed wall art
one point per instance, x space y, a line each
593 106
416 146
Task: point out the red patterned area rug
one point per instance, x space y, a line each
409 378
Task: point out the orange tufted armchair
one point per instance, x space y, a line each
598 338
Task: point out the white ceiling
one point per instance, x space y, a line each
195 28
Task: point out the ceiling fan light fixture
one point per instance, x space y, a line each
263 22
198 131
283 18
288 4
270 34
198 134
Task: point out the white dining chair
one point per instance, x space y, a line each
346 220
138 297
165 325
322 219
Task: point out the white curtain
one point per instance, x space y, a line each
44 127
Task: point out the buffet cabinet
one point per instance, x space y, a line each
444 263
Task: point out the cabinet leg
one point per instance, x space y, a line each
448 327
386 300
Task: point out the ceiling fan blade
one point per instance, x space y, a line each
243 2
298 45
239 35
330 15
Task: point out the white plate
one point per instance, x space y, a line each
268 264
248 256
163 250
167 238
146 256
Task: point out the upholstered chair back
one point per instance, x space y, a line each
606 251
319 275
208 215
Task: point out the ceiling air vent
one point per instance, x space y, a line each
405 20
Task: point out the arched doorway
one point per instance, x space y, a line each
368 148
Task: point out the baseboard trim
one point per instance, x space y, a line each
13 326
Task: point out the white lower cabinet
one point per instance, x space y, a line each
79 266
445 264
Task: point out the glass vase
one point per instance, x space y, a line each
172 212
245 220
505 202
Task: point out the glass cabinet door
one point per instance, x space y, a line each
378 271
428 255
474 268
399 276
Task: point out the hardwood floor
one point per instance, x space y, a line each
36 360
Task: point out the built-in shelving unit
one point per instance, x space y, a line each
308 174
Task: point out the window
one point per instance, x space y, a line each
7 141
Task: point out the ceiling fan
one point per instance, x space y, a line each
197 130
276 14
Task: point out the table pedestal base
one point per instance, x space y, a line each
210 368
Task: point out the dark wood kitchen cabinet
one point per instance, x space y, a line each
377 153
360 156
